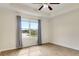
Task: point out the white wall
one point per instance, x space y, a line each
7 29
45 30
65 29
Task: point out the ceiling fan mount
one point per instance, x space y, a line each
47 5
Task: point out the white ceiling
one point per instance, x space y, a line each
32 9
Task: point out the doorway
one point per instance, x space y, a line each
29 31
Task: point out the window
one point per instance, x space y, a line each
29 28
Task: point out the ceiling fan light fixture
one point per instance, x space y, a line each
45 5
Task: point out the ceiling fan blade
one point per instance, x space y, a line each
50 8
40 7
54 3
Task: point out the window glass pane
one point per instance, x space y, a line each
34 28
24 25
25 28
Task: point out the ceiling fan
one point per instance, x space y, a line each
47 5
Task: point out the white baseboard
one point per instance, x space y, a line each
64 46
7 49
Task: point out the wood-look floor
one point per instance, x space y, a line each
42 50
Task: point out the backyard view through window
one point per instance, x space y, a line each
29 28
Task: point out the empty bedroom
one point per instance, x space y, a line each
39 29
